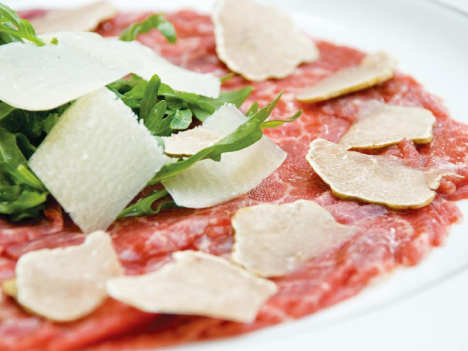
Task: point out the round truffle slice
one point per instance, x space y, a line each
373 69
196 284
382 125
274 240
65 284
189 142
374 179
259 41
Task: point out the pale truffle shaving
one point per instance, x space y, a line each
96 159
374 179
373 69
65 284
196 284
382 125
259 41
41 78
81 19
274 240
209 183
190 142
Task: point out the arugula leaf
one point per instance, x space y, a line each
33 124
144 207
124 85
279 122
155 118
226 77
22 194
165 127
180 107
158 22
15 29
245 135
182 119
5 110
150 96
252 110
273 123
203 107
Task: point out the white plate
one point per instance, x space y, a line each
414 308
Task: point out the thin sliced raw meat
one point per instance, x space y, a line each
387 239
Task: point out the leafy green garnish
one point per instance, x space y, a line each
226 77
22 195
150 96
272 123
15 29
35 125
144 97
144 207
158 22
245 135
279 122
5 110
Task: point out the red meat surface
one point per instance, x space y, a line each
386 239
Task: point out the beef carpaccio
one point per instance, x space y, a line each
386 239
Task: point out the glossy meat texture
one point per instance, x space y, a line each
385 239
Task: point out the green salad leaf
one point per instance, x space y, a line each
15 29
245 135
22 194
158 22
145 98
145 206
5 110
279 122
226 77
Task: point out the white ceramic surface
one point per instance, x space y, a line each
421 308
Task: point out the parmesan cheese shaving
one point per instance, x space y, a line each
145 62
41 78
374 179
274 240
381 125
96 159
209 183
65 284
373 69
259 41
81 19
190 142
196 284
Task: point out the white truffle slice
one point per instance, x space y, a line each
373 69
259 41
96 159
382 125
190 142
81 19
196 284
274 240
41 78
65 284
374 179
209 183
